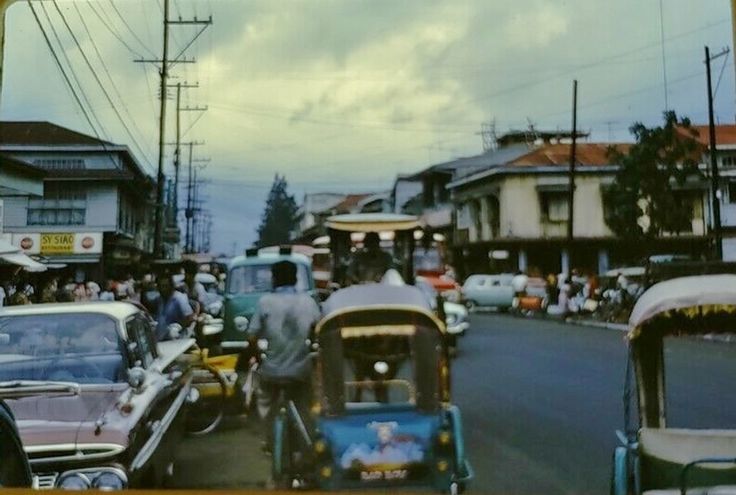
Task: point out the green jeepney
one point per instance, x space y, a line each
249 278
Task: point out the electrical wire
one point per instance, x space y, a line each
113 31
63 72
74 74
112 82
99 81
130 30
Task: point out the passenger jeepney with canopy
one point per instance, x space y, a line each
654 458
381 410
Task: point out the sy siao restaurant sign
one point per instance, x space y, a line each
59 243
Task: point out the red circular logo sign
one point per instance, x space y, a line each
26 243
88 242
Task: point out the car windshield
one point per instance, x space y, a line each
257 278
78 347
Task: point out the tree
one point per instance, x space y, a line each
279 216
642 201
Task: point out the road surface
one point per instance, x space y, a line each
541 401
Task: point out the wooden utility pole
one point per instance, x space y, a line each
160 178
573 158
166 63
714 181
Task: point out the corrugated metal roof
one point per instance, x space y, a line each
44 134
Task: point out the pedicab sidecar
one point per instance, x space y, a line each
654 457
381 413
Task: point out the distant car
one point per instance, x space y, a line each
456 315
488 290
98 403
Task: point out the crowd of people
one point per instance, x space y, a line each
169 295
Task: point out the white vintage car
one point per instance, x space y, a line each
456 315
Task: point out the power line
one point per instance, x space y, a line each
113 31
112 82
74 74
98 80
61 69
130 30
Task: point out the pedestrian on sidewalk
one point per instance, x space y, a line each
285 318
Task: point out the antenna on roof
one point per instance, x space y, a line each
489 136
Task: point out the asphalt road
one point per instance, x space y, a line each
541 401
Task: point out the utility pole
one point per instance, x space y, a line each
714 181
165 65
177 152
189 210
573 158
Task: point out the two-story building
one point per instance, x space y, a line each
514 214
97 208
726 162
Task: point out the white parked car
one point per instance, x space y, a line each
456 315
489 290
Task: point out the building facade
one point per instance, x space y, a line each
96 210
514 215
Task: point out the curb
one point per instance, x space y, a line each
619 327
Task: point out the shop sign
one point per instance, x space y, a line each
57 243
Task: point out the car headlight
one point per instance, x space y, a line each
103 479
108 481
241 323
74 481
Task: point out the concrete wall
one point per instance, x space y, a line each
101 212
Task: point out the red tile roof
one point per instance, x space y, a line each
558 154
725 134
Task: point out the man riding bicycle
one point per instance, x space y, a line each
284 318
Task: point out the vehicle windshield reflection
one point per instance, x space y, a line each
80 348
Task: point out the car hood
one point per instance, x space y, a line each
89 417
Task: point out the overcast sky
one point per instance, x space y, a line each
344 94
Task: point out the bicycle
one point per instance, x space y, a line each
214 388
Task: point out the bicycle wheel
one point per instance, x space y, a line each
206 414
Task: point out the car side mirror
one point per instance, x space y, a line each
136 378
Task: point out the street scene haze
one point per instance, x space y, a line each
332 245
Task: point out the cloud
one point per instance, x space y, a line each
339 94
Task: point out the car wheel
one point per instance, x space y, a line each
471 305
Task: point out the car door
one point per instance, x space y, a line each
154 449
499 290
473 289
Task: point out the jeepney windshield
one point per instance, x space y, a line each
257 278
82 348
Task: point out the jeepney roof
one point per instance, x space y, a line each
269 258
373 222
115 309
704 297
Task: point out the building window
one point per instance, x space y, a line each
729 161
554 207
62 204
732 192
60 164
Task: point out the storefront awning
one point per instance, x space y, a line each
24 261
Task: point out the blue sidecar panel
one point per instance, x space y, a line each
382 447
